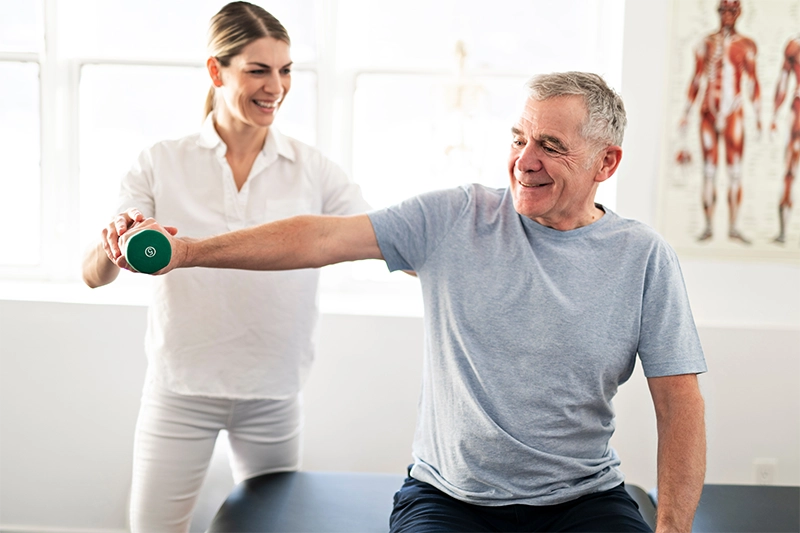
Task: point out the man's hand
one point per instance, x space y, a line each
178 247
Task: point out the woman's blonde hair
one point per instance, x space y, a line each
235 26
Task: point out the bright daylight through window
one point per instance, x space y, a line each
406 97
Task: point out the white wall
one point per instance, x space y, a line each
68 402
723 293
748 313
69 393
69 397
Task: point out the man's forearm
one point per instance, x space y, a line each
297 242
681 462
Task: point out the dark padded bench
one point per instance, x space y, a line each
309 502
326 502
645 503
746 509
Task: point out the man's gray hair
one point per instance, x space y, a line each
605 111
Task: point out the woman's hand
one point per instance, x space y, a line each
118 226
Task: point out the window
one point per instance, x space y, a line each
21 34
19 138
406 97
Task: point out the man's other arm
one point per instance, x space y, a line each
680 416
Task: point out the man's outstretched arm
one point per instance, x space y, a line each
680 416
306 241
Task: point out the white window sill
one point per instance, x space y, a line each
137 293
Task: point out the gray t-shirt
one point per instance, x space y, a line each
529 333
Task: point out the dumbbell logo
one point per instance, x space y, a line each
147 251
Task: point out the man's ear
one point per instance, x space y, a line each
214 71
612 155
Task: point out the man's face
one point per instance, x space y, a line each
554 171
728 13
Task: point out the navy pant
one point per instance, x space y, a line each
421 508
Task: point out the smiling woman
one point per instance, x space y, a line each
218 342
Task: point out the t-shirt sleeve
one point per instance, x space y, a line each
136 188
409 232
668 343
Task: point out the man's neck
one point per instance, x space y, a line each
592 216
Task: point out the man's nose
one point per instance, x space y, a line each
529 159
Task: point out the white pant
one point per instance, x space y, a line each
174 442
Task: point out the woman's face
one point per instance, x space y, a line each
254 84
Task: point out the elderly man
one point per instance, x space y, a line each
537 301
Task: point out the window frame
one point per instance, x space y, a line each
60 128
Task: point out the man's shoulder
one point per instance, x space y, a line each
471 200
488 203
634 231
484 193
630 224
470 193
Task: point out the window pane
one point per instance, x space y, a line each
124 109
175 30
20 26
298 114
418 133
527 37
20 177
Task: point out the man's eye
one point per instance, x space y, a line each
549 149
517 142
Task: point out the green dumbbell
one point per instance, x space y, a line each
147 251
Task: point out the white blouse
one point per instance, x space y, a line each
233 333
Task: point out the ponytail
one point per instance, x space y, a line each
209 106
